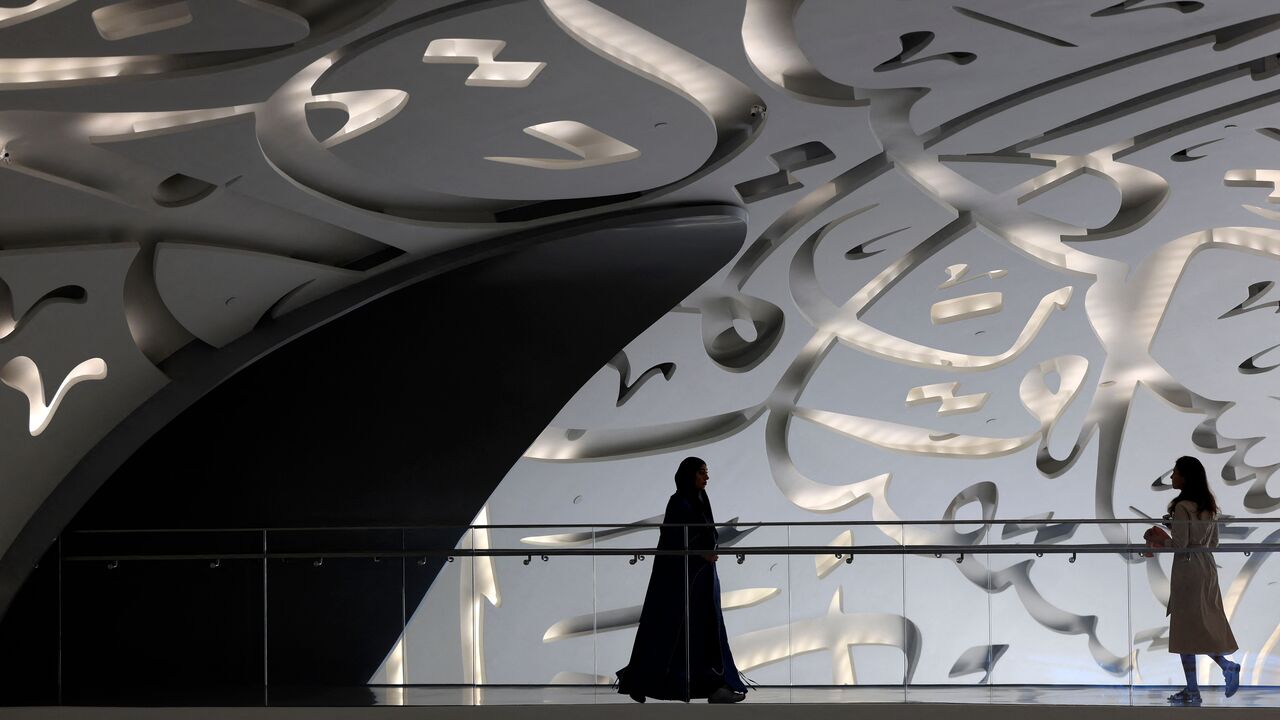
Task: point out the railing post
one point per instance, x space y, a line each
688 670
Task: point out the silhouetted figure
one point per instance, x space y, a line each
1197 622
660 667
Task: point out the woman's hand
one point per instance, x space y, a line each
1156 537
711 557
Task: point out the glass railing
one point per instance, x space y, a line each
878 611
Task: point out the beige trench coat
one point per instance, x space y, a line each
1197 622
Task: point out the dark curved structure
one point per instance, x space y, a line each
399 402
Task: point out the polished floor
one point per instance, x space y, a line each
1117 696
580 703
1255 697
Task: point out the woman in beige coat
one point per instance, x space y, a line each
1197 622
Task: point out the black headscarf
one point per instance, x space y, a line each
687 488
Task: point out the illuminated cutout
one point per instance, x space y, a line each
914 440
395 674
626 388
289 145
576 678
1045 532
1263 212
1249 366
627 617
22 375
478 583
965 308
837 631
1255 178
944 393
912 44
997 173
365 109
13 15
590 145
10 322
1155 639
582 538
54 70
824 565
1012 27
1128 6
727 100
958 274
1184 155
723 321
859 251
845 324
139 17
482 53
982 658
1235 592
787 161
315 21
819 497
1267 648
1257 291
555 444
178 190
773 48
154 123
1046 405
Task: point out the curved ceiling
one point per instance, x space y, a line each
184 171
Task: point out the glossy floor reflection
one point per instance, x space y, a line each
1257 697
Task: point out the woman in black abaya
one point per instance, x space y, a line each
659 666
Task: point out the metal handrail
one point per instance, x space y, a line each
641 525
839 551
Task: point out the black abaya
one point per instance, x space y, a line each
658 657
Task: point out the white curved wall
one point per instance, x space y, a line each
1066 286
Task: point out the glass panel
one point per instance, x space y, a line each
946 599
621 581
134 606
29 636
847 614
1249 591
114 613
1060 618
535 610
754 593
334 606
438 607
1149 594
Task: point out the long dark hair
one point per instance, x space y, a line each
1195 485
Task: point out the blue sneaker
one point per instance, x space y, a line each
1232 675
1185 697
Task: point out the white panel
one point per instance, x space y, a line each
58 337
219 294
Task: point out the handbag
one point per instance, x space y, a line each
1156 537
